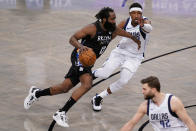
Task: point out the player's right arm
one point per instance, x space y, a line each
142 110
85 31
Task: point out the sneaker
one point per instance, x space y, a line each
93 74
31 98
97 103
61 118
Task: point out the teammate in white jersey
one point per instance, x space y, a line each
165 111
127 55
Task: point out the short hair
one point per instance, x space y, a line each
135 5
152 81
104 13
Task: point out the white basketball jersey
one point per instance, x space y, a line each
162 118
128 45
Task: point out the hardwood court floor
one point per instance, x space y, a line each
34 50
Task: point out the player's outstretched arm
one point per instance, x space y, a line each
122 32
178 108
145 25
87 30
136 118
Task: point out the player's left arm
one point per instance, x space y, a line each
178 107
122 24
145 25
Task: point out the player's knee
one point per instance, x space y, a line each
87 86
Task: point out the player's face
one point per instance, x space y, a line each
110 23
135 16
147 92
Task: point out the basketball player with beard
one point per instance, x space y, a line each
96 36
126 55
165 111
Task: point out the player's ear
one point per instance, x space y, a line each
104 20
154 89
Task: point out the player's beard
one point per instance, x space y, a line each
149 96
109 26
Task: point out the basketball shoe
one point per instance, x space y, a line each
61 118
31 98
97 103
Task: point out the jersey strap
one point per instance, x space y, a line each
126 24
148 106
143 33
169 107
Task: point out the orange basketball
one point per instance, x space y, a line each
87 58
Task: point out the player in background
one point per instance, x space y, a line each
165 111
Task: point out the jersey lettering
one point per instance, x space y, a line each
104 38
136 34
160 116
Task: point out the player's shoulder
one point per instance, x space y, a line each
175 99
143 106
144 17
90 28
176 103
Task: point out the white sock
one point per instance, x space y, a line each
103 93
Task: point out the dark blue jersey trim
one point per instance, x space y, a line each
126 24
169 107
143 33
148 106
145 18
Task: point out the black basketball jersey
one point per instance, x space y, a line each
98 43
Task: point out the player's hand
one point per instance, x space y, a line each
137 41
83 48
141 22
139 44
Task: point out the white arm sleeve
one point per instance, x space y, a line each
147 28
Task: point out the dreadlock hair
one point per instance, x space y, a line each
104 13
135 5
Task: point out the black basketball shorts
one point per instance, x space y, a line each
75 72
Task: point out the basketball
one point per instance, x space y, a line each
87 58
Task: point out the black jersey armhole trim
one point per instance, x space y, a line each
143 34
126 24
148 106
169 107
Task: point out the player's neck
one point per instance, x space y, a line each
158 98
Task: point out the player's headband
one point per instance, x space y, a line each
135 9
